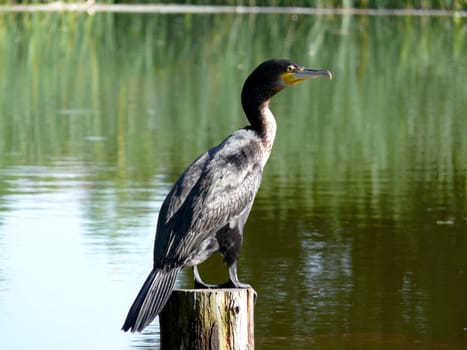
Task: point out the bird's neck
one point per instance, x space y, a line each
267 126
261 119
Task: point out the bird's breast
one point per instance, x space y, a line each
246 148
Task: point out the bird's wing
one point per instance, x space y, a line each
181 189
213 191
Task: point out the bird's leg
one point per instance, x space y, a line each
234 282
199 283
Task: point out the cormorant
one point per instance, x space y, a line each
209 204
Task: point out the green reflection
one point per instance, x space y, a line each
359 226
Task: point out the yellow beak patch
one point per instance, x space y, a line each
289 79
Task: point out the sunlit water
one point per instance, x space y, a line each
71 265
358 236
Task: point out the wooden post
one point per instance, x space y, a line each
208 319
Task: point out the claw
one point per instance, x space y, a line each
202 285
199 284
255 296
233 282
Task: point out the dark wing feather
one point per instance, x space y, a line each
214 190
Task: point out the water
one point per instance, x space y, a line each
358 235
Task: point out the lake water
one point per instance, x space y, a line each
358 236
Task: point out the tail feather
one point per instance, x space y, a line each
150 300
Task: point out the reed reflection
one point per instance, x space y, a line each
358 231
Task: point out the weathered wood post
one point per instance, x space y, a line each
208 319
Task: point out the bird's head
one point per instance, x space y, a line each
277 74
269 78
293 73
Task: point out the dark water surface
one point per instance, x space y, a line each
358 236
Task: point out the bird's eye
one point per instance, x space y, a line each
290 68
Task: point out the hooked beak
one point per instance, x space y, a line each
293 78
312 73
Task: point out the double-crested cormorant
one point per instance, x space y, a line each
209 204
